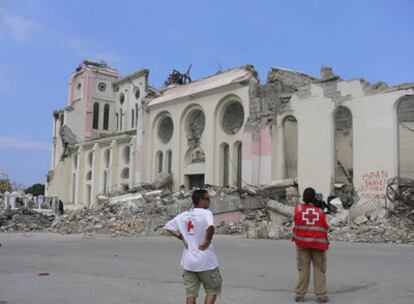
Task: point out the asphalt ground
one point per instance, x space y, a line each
52 268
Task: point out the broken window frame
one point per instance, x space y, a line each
136 115
125 173
159 160
290 168
107 158
346 176
90 159
225 152
169 161
237 152
405 116
126 153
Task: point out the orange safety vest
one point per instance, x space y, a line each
311 228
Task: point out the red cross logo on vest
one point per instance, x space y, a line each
190 226
310 216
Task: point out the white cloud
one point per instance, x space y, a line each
19 28
23 29
19 143
90 50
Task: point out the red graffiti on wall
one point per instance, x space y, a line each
373 186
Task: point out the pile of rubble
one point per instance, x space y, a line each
370 222
262 212
127 215
24 219
385 224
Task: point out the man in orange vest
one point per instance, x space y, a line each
310 234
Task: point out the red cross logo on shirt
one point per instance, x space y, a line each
190 226
310 216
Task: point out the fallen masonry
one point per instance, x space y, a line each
256 212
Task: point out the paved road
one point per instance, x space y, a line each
146 270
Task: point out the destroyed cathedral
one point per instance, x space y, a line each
342 137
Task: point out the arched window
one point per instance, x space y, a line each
225 162
290 140
75 161
90 159
95 121
73 187
88 194
120 119
238 158
107 158
343 141
106 117
405 114
105 182
136 115
132 119
169 161
159 161
126 153
89 176
117 121
125 173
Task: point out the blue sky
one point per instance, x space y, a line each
43 41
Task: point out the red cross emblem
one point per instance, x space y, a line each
310 216
190 226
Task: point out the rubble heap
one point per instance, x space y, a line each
372 222
136 216
260 212
24 219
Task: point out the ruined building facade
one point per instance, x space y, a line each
341 137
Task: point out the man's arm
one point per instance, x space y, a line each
208 238
178 235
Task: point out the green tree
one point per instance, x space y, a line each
36 189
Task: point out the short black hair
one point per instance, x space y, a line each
198 195
309 195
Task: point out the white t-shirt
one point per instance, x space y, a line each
193 225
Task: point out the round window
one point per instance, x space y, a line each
102 86
233 118
166 129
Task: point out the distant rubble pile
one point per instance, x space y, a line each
257 212
127 215
24 219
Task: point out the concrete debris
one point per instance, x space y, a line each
237 212
162 180
339 219
24 219
370 223
280 208
68 141
360 220
337 203
362 208
401 189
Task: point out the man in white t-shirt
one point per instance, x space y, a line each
195 228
